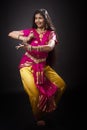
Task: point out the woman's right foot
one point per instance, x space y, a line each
41 123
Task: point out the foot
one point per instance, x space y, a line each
41 123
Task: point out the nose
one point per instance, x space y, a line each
37 20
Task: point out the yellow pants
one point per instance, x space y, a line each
31 89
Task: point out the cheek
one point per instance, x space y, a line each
42 21
35 21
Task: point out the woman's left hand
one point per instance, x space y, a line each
19 46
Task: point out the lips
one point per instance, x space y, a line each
38 23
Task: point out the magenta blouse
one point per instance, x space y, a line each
35 42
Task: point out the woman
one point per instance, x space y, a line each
43 85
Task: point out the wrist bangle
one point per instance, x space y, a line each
19 37
37 48
40 48
29 48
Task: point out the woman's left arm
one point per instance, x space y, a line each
48 47
45 48
42 48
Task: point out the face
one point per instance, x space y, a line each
39 21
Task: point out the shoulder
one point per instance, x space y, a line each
52 32
53 36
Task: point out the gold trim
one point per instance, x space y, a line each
35 59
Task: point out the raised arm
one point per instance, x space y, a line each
16 34
20 36
46 48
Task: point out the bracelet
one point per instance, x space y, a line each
39 48
29 48
19 37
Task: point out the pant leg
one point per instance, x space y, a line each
56 79
30 87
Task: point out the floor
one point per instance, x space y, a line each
16 114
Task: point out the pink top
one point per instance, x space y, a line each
35 42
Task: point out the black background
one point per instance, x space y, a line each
68 18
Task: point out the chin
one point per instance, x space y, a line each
39 26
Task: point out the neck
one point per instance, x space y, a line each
41 29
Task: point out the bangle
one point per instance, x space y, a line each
37 48
19 37
29 48
40 48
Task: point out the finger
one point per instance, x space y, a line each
21 45
17 47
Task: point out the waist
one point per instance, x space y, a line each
35 59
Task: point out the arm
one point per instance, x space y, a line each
15 34
50 46
20 36
44 48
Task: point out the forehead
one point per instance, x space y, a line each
38 15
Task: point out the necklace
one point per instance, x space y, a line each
41 33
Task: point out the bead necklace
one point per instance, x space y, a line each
41 34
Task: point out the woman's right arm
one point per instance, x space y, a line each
20 36
15 34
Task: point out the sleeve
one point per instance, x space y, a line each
26 31
53 36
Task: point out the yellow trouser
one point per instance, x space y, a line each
31 89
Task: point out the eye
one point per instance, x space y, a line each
40 18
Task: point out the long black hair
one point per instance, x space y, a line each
48 21
49 26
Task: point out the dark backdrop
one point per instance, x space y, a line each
67 17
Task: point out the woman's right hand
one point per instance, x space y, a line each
29 37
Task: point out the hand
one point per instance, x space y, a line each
31 35
19 46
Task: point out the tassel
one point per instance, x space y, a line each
39 77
